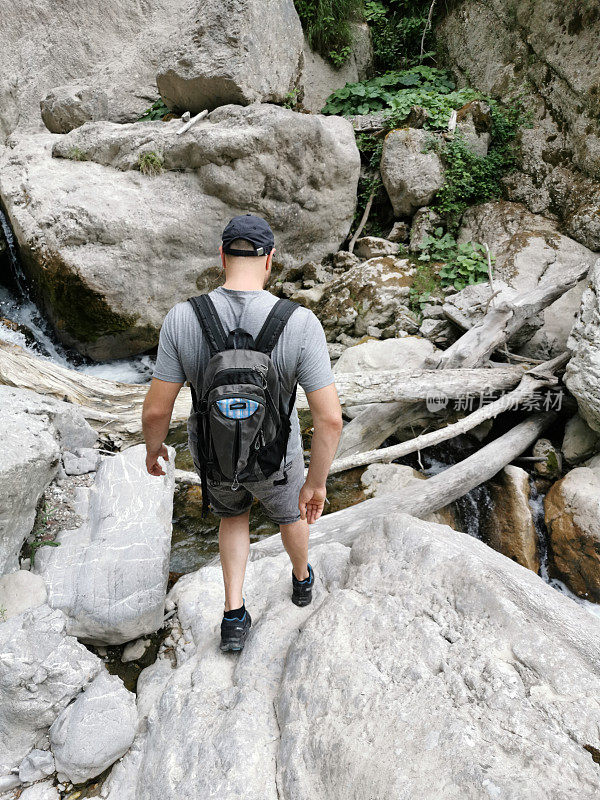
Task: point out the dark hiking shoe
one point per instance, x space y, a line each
234 632
302 590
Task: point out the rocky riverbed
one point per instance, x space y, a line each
448 240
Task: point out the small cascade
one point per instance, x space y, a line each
22 323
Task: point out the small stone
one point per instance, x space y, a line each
431 311
8 782
134 650
399 232
373 246
41 791
343 260
551 467
82 461
37 765
580 441
373 331
19 591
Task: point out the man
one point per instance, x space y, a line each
300 355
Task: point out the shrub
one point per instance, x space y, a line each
150 163
397 28
76 154
326 24
463 264
157 110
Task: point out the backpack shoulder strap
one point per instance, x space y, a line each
205 310
274 325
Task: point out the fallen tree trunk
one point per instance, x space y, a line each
426 496
532 381
502 321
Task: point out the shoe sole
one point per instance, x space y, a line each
301 601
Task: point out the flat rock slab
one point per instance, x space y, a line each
428 666
110 575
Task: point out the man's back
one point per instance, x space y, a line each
299 355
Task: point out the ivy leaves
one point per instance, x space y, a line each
464 263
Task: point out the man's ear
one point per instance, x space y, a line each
223 262
270 259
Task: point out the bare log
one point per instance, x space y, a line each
427 496
532 381
363 221
112 408
502 321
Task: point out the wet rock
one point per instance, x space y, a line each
74 236
224 53
109 576
530 251
41 670
579 441
95 730
372 293
36 765
572 511
20 591
319 78
374 246
410 175
583 370
509 526
68 107
500 676
35 429
551 467
134 650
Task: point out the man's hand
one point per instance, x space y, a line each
152 465
311 502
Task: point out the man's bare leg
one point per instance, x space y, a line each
234 547
295 540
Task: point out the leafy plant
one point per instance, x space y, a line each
150 163
291 99
35 546
157 111
463 264
327 25
426 287
76 154
397 92
397 28
470 178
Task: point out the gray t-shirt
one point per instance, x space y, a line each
300 354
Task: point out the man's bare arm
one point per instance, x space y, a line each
156 416
326 413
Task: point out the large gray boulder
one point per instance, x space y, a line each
110 575
68 107
35 429
319 78
583 370
95 730
97 237
231 51
410 173
530 251
41 670
427 666
112 47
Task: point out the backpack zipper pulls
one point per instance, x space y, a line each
236 484
262 371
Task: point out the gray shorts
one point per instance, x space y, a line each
279 502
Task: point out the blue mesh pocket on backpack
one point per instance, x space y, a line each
237 407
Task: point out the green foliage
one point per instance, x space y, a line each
76 154
157 110
470 178
326 24
370 148
291 99
426 287
397 28
2 614
397 92
150 163
35 546
463 264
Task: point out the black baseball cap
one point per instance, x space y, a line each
253 229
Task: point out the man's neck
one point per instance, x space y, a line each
243 285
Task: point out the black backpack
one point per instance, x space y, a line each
239 426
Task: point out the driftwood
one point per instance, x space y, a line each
113 409
427 496
532 381
503 321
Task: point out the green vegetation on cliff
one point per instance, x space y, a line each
327 25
